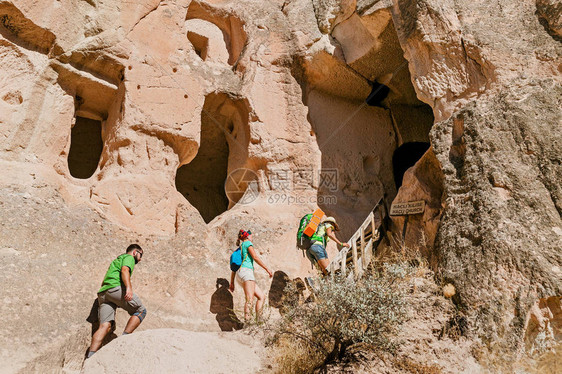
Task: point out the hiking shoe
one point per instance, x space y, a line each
311 284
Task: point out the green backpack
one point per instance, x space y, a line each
304 241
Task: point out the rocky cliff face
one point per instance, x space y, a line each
496 97
175 123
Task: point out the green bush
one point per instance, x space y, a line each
345 312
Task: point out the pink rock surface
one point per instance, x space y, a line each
122 121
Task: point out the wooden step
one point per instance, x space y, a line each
363 241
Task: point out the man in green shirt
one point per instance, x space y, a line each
116 291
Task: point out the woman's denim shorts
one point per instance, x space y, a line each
317 251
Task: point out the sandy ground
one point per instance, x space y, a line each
178 351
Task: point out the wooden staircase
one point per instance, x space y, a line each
353 261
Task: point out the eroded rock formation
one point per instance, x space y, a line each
122 122
496 137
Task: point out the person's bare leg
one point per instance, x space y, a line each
99 335
249 287
323 263
132 324
261 299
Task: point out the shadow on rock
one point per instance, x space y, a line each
278 293
222 304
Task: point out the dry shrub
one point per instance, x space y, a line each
345 313
294 357
399 252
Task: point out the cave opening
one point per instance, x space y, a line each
201 181
200 44
222 149
96 102
405 157
86 145
203 21
363 107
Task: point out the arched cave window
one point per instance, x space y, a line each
223 149
86 146
405 157
202 180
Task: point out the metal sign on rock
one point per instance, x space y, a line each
404 209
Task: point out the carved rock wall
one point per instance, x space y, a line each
184 93
495 93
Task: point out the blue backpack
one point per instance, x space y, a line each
236 259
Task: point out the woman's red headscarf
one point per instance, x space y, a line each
243 235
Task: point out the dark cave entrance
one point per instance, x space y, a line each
405 157
223 149
86 145
369 124
201 181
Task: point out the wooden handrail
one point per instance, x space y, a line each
360 256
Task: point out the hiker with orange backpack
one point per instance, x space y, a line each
315 244
243 268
